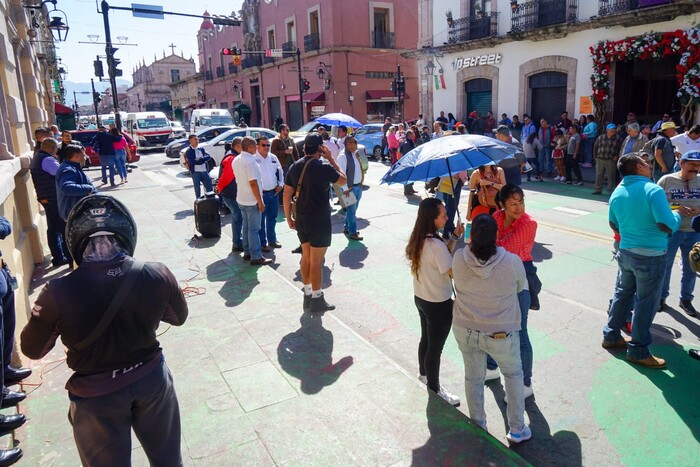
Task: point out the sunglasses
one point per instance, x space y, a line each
265 145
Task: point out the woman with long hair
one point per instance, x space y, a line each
516 233
487 281
484 185
431 266
392 141
121 152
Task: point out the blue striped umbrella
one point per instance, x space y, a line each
338 119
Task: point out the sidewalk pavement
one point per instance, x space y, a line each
258 381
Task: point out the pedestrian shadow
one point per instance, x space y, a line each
44 273
184 214
197 241
456 440
353 255
236 288
545 448
307 354
540 252
327 280
682 319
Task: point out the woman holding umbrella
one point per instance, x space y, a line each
431 266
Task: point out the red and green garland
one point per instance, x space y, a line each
650 46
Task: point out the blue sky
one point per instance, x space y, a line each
151 35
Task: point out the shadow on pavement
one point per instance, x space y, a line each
353 255
681 318
307 354
183 214
235 288
327 281
44 273
540 252
456 440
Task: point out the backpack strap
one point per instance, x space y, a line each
129 279
301 178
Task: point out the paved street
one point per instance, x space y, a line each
260 384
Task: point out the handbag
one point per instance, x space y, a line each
558 153
295 198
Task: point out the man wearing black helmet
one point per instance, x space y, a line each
107 312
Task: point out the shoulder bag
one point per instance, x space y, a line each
295 198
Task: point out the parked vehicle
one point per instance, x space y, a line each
85 138
215 146
172 150
299 135
150 130
178 129
370 136
207 118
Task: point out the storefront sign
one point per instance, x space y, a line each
490 59
585 105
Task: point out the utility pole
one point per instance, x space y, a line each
301 86
75 107
400 90
94 101
111 65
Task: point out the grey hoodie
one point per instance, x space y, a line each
486 292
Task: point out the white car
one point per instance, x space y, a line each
215 146
178 130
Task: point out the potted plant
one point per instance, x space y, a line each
450 20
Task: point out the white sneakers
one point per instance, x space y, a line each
528 392
492 374
519 436
449 398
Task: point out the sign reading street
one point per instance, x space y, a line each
490 59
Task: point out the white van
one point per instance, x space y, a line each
206 118
150 130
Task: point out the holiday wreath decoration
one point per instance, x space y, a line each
652 46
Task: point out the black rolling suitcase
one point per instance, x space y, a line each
206 216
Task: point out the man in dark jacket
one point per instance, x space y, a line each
72 184
103 144
120 380
197 159
408 145
43 169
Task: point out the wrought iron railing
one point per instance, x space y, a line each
312 42
290 46
253 60
382 40
232 69
614 7
540 13
477 27
219 71
269 60
208 76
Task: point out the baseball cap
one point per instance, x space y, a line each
612 126
502 129
633 127
312 142
691 156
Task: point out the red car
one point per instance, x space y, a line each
85 137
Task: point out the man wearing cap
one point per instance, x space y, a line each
683 192
312 216
512 167
606 150
663 150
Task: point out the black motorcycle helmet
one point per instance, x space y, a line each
99 213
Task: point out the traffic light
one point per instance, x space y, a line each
112 63
225 20
307 85
99 70
393 86
401 85
96 97
234 53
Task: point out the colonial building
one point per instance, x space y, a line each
537 57
349 57
185 95
150 89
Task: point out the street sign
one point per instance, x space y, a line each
274 53
147 11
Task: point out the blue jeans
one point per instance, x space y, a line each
637 288
588 150
120 159
251 230
269 218
545 160
525 345
451 203
684 241
107 161
205 179
351 211
475 346
236 221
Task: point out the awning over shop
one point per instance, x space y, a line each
308 97
242 109
196 105
383 96
61 109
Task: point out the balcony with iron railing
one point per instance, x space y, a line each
615 7
477 27
253 60
312 42
541 13
267 60
290 46
382 40
232 69
208 76
219 71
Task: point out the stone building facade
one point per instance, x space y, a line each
151 83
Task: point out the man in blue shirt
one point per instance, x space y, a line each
640 213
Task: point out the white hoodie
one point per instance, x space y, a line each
486 291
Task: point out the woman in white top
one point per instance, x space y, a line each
431 266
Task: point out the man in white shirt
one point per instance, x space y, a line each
330 142
349 162
249 199
685 142
272 184
342 134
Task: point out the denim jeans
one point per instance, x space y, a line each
107 161
587 147
451 203
351 211
251 230
637 287
536 169
684 241
545 160
236 221
524 299
572 164
205 179
269 218
120 159
435 325
475 346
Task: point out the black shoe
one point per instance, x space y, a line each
297 250
275 245
10 456
319 305
246 257
307 302
11 398
11 422
266 249
236 249
259 261
57 263
15 375
687 306
662 305
535 305
694 353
